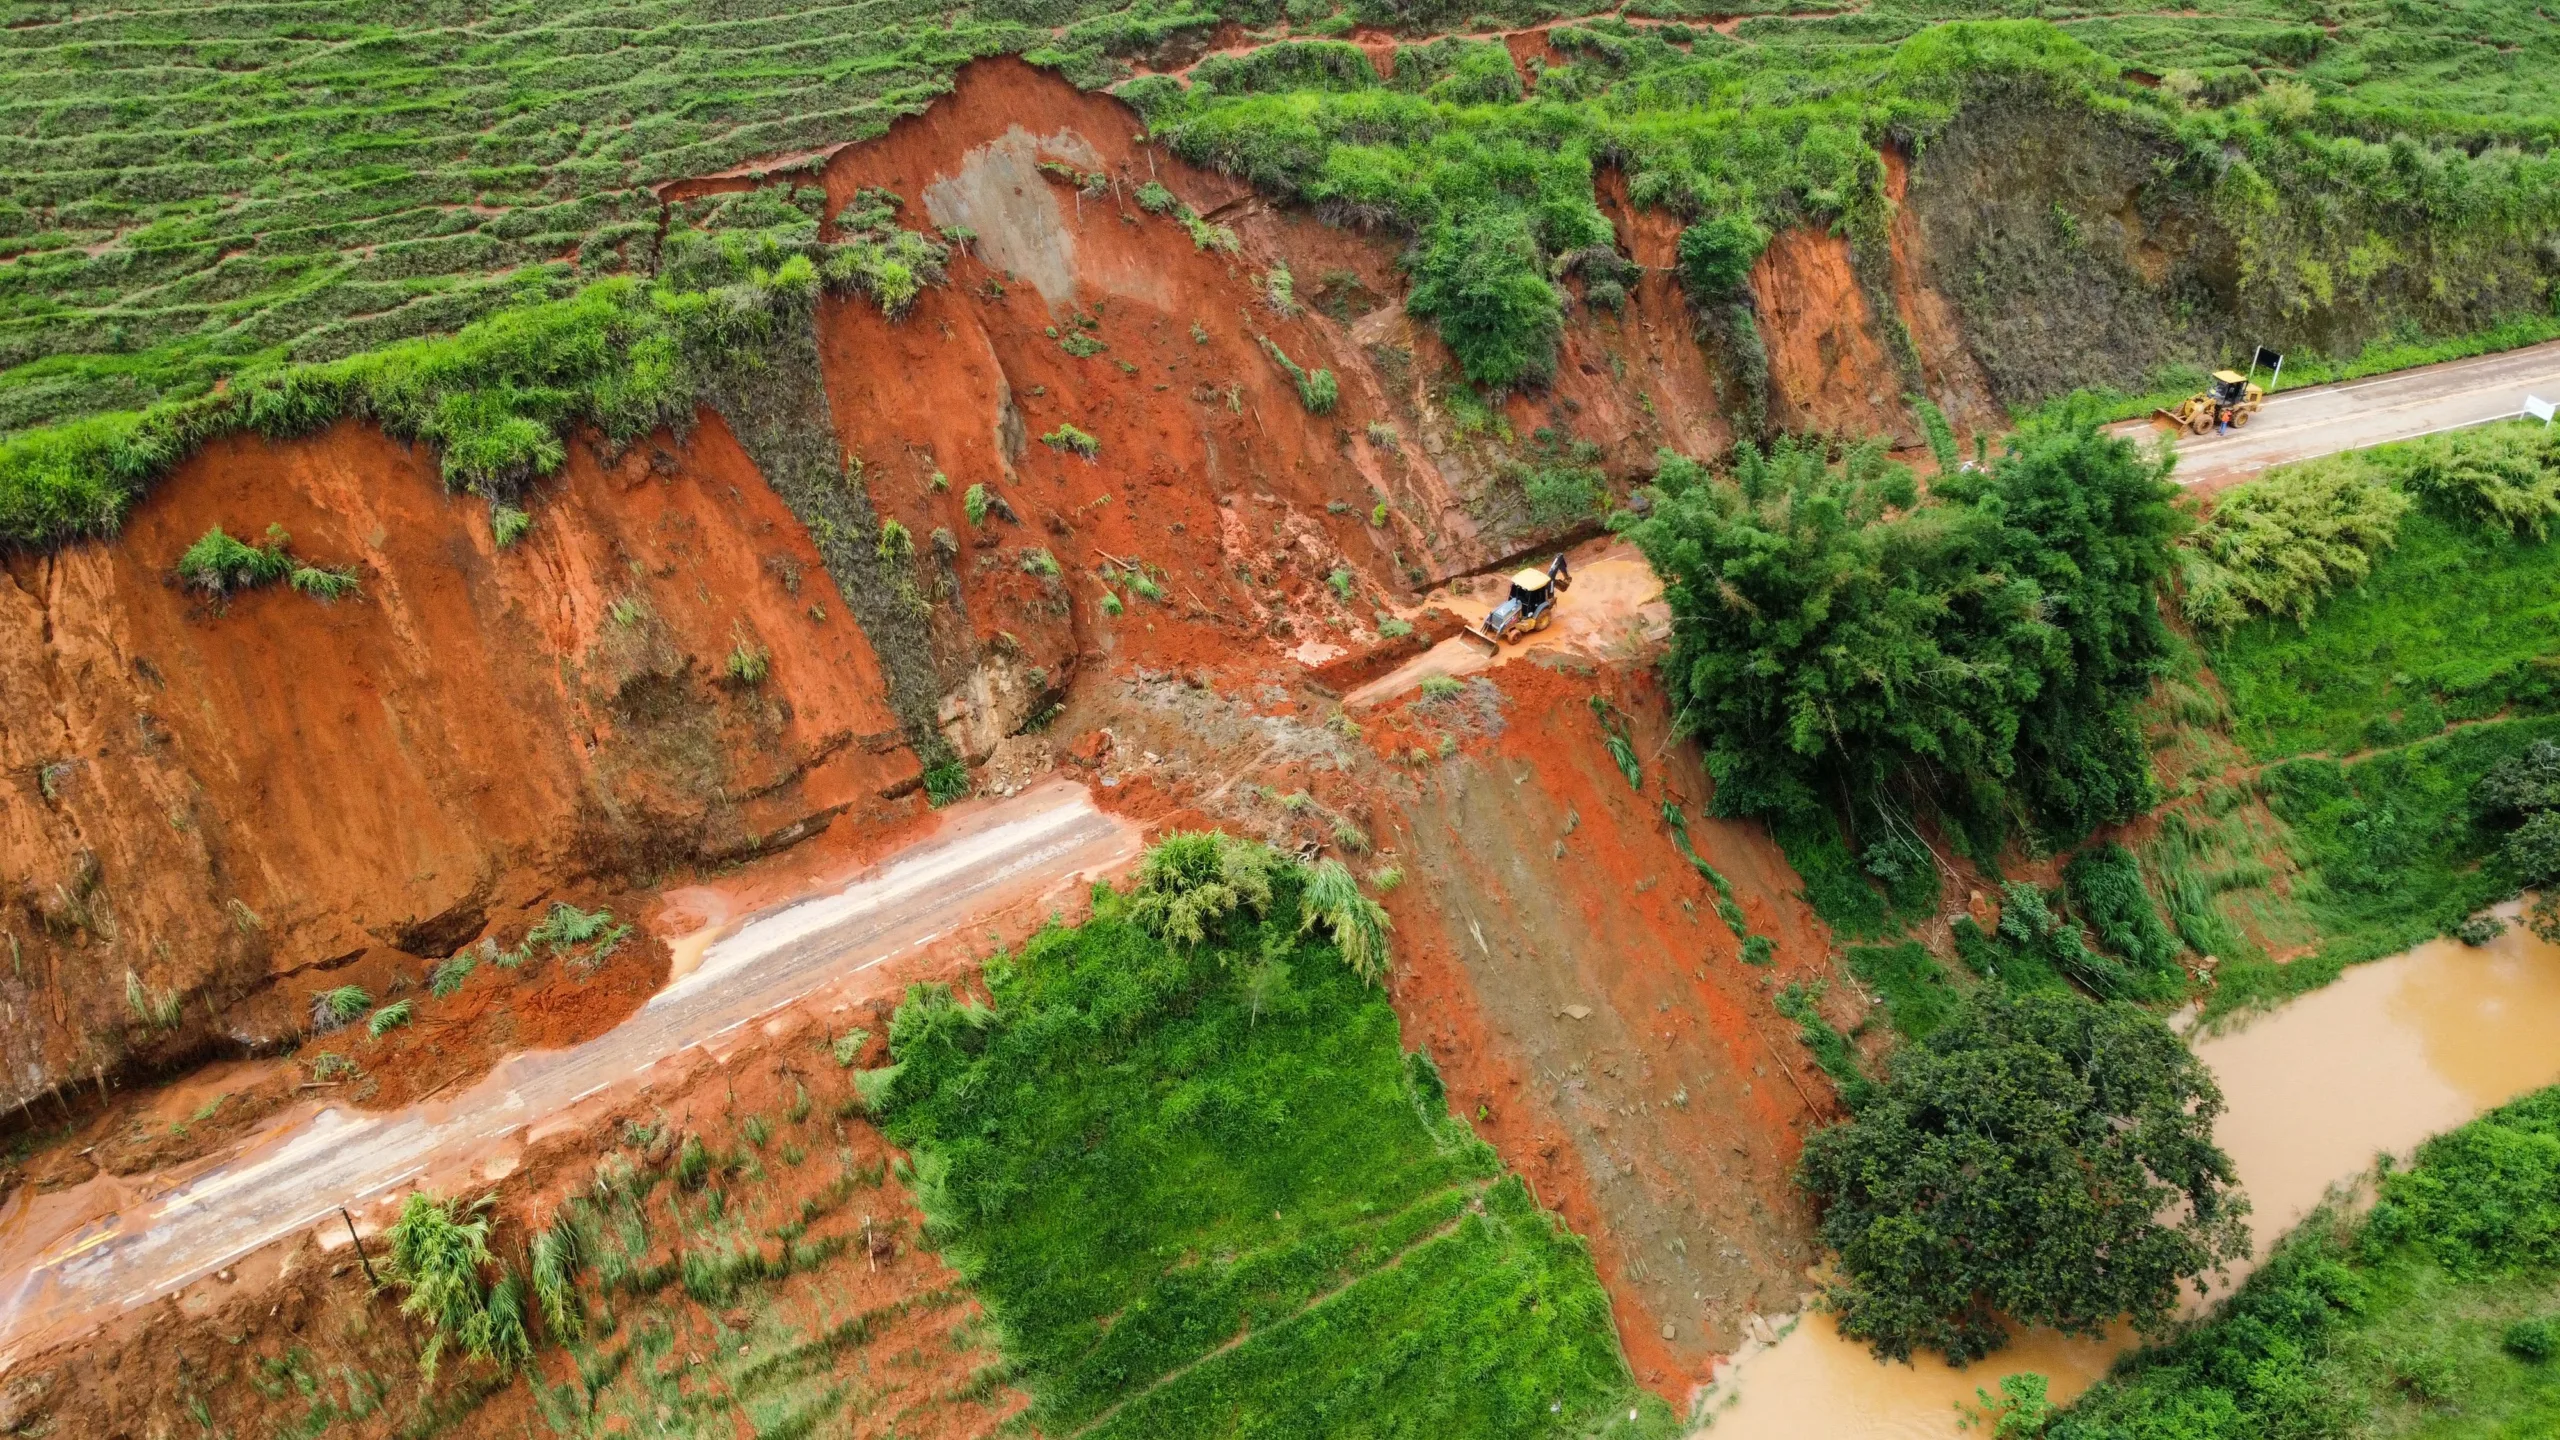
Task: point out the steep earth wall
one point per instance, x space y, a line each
2079 249
215 809
211 803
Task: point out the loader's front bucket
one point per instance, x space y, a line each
1477 634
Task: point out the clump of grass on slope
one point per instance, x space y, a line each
1141 1151
567 927
2106 890
1912 984
221 566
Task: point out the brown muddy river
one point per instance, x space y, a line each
2391 1053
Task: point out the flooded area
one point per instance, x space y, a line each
2389 1054
112 1244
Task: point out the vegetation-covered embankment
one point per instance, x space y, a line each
2435 1312
2276 183
1182 1158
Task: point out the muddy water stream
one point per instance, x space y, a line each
2391 1053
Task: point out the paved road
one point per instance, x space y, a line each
2323 420
154 1242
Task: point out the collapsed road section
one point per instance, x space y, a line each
94 1251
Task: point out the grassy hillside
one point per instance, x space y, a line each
198 190
1202 1191
2456 624
2415 593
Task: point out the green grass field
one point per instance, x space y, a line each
2456 622
2403 1323
198 188
1204 1192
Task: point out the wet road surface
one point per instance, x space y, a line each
70 1265
2323 420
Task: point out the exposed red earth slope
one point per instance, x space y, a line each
239 805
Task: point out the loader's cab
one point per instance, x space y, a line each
2229 389
1531 594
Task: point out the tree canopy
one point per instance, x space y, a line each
1831 627
2043 1159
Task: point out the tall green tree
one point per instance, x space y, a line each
1834 631
2043 1159
2087 521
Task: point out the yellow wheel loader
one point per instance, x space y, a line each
2226 403
1530 607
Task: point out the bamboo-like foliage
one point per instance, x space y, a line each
2280 544
437 1255
1193 880
1357 923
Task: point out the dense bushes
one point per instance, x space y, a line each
2042 1159
2106 890
1830 630
1479 277
2503 477
1496 187
2520 796
2376 1327
2280 544
1716 255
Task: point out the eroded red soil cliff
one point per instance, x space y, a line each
216 810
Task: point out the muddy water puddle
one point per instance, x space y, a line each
2389 1054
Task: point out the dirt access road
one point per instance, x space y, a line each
69 1261
2325 419
1614 608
